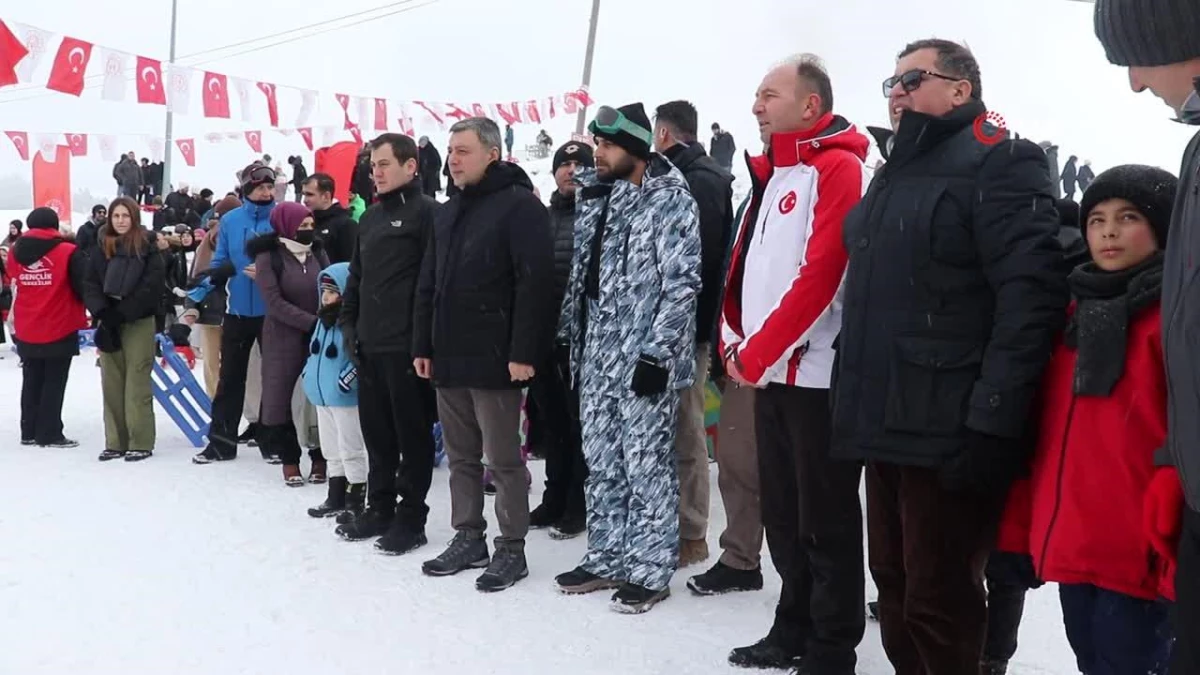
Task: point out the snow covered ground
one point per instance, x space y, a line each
166 567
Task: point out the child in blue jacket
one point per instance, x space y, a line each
331 384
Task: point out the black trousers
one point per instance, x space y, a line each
813 520
395 408
238 336
1008 575
556 415
43 386
1185 613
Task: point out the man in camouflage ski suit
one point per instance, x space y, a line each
629 319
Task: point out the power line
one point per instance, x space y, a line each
326 28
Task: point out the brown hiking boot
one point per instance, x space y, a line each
292 475
692 551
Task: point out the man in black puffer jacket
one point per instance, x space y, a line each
556 402
395 405
335 228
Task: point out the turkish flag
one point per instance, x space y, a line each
11 53
406 127
187 148
254 138
150 87
550 107
584 97
532 113
272 102
20 141
306 134
510 112
216 95
355 133
52 183
78 144
381 123
478 110
456 112
70 65
570 103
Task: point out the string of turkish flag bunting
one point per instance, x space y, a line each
80 66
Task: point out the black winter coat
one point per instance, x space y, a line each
485 294
712 188
562 224
143 301
954 292
85 237
338 233
393 235
429 168
723 148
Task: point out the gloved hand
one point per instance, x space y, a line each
649 378
350 336
1013 569
328 315
1162 512
109 316
987 465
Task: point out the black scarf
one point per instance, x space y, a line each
1105 304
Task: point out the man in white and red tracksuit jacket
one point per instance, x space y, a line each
781 316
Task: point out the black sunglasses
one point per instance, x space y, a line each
911 80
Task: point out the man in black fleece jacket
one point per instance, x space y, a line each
395 406
335 228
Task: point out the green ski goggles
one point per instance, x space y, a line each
610 121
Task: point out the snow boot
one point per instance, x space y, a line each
993 668
371 523
356 497
138 455
401 538
506 568
63 442
319 472
292 476
464 552
249 436
580 581
568 527
108 455
765 654
634 599
211 454
335 502
721 579
543 516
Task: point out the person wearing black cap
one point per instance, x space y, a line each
242 327
629 316
48 272
722 147
675 129
85 236
556 401
1159 41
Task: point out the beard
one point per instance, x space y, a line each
623 169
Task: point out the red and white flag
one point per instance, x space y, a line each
477 110
78 144
532 113
355 133
571 103
585 98
433 114
242 88
550 107
37 42
187 148
20 141
381 114
70 66
509 112
306 134
216 95
268 90
254 138
108 148
456 113
150 87
115 87
179 100
48 144
308 105
52 182
11 53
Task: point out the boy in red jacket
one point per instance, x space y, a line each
1104 416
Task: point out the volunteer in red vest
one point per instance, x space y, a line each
48 315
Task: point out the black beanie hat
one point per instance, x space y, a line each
1149 188
634 112
42 218
574 151
1068 212
1148 32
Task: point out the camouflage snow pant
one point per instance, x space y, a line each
632 488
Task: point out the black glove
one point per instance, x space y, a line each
350 336
1012 569
987 465
109 316
649 378
220 275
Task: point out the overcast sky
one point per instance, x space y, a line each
1042 66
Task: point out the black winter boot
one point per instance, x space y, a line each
335 503
371 523
356 498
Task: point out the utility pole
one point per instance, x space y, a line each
587 64
166 177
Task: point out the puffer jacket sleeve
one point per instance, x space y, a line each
531 246
677 249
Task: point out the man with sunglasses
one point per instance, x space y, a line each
243 322
629 316
1159 42
954 292
779 320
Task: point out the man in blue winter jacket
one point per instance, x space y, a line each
243 323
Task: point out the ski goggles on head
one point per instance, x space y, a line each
610 121
911 80
258 176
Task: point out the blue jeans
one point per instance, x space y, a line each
1115 634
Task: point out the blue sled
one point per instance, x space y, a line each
181 396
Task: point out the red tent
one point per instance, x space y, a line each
338 160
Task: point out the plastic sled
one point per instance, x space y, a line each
178 392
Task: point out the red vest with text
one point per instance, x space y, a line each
46 308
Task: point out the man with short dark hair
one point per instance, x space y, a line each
483 321
675 127
394 405
85 236
722 147
335 228
1159 42
954 292
429 167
